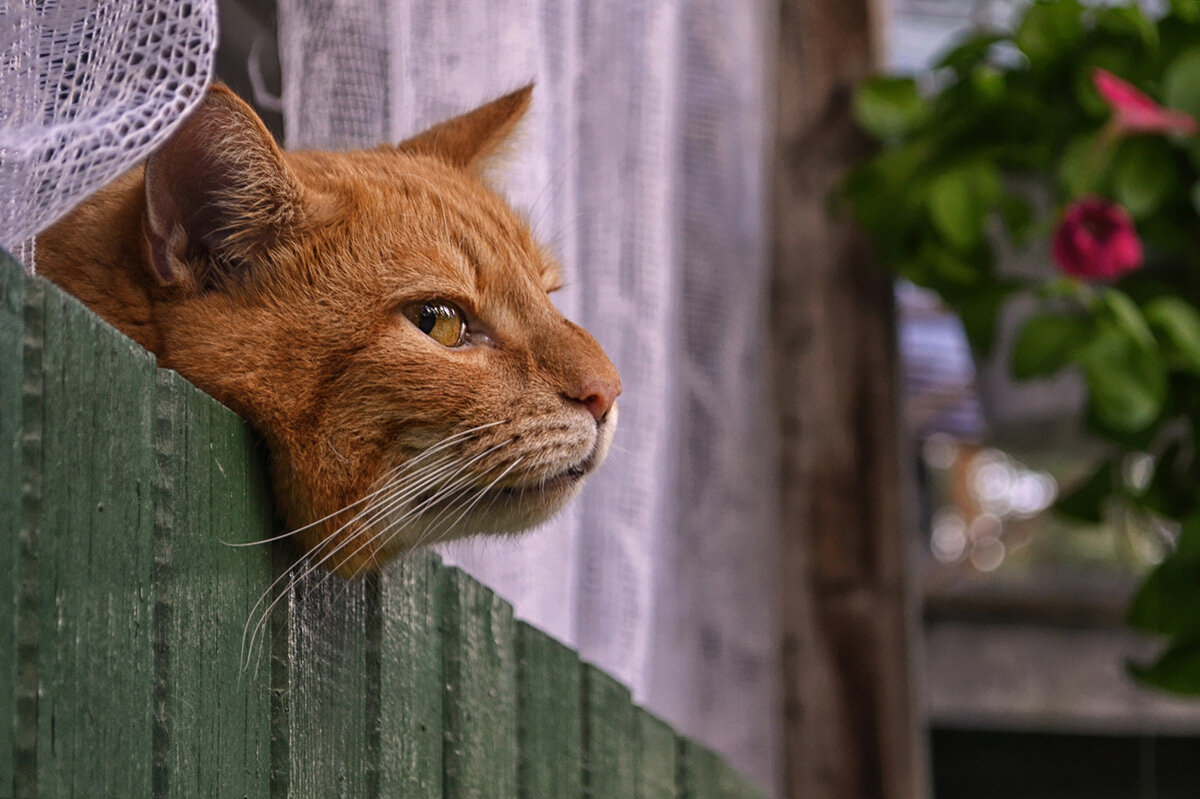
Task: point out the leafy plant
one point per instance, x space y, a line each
1075 133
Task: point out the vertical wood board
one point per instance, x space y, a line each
216 707
548 716
95 665
410 679
609 755
655 757
480 694
12 361
329 728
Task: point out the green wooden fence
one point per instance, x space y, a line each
122 614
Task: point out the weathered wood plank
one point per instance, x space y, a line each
214 715
696 770
655 757
329 726
851 726
26 608
548 716
410 679
12 359
95 664
480 700
609 755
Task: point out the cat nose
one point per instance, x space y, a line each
597 396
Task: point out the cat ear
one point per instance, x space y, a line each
217 193
468 140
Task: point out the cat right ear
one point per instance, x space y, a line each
218 194
467 141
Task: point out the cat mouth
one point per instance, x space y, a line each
568 477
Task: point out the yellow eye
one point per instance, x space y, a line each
441 321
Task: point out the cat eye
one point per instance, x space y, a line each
441 321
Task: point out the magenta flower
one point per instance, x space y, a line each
1096 240
1134 111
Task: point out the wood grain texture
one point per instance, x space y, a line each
410 674
549 716
327 691
12 361
480 696
609 737
655 757
851 724
214 710
95 656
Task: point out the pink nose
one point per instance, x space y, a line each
597 396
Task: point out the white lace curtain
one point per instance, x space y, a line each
644 164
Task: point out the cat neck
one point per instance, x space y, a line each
97 253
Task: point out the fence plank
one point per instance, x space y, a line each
609 755
480 711
411 679
12 358
703 775
696 768
95 666
655 757
215 723
548 716
328 725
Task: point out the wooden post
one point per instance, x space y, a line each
851 729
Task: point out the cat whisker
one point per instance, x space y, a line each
401 487
403 493
382 482
427 475
443 494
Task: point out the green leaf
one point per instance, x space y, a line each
959 201
969 53
1085 163
1127 384
1143 175
1168 601
1177 670
978 308
1086 501
1128 20
1047 343
1194 196
1049 29
1188 10
1018 217
1181 83
1122 310
1177 323
888 107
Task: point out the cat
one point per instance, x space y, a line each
382 317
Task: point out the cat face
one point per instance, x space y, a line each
383 318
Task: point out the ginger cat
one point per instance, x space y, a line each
381 317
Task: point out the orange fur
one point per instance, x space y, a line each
277 282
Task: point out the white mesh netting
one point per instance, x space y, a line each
643 164
89 89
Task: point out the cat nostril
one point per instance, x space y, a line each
597 396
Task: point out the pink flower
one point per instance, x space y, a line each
1134 111
1096 240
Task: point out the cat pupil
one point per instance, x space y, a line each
429 317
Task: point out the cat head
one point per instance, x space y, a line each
383 318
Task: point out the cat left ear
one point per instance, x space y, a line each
218 193
469 140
